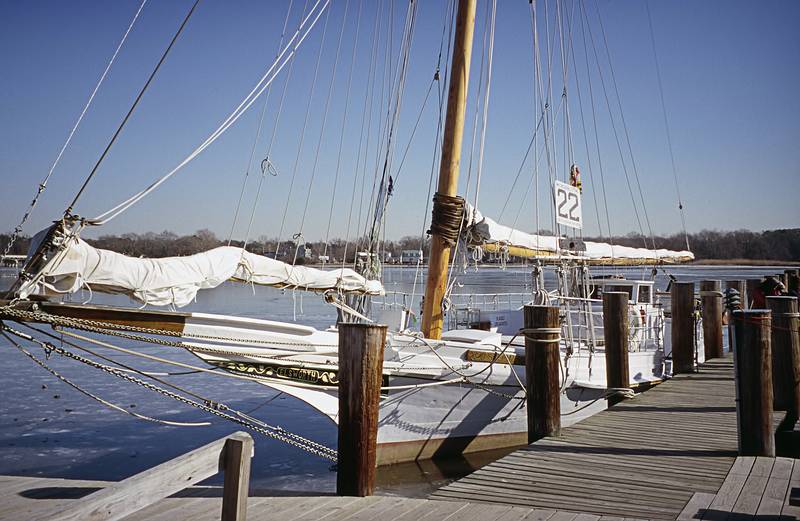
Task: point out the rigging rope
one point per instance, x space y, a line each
302 140
368 121
43 184
255 143
68 211
594 125
297 39
446 217
343 132
324 118
666 125
625 130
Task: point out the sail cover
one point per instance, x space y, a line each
176 280
482 230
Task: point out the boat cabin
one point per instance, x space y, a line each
639 291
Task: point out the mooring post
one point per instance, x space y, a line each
753 368
360 377
615 334
711 301
752 287
793 283
542 371
683 333
785 355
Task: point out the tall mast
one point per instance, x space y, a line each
444 200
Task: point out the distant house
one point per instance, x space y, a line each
411 257
323 258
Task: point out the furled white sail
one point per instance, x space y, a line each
176 280
482 230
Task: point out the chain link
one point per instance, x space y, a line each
208 406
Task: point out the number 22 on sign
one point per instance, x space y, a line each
568 205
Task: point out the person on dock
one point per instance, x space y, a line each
769 287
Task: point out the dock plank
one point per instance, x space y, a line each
657 456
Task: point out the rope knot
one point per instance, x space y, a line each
446 217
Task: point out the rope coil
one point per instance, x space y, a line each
446 217
529 332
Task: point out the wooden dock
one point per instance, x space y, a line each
645 458
24 498
670 453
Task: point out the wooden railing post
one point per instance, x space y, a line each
360 376
785 355
542 371
711 300
683 334
615 335
236 467
753 368
117 501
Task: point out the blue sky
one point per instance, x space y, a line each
730 70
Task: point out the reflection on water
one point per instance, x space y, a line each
49 429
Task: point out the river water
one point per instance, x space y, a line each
47 428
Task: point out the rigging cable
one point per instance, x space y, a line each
255 140
625 130
368 121
585 20
666 125
616 135
324 119
447 31
344 125
68 211
299 36
43 184
266 162
586 142
302 136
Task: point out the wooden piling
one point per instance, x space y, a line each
753 369
360 377
683 332
615 334
711 301
752 286
793 284
542 371
785 355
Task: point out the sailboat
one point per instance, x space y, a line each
446 390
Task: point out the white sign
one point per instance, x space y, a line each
568 205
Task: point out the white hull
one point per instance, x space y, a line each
419 422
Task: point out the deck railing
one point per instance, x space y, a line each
230 455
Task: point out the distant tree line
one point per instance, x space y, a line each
778 245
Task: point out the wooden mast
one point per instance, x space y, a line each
432 316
